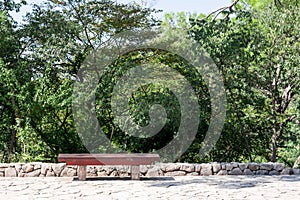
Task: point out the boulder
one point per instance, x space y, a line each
10 172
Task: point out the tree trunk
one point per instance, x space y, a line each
274 148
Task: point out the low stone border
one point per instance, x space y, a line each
159 169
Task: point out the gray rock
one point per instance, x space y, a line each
267 166
279 167
35 173
27 168
262 172
253 166
296 171
37 166
71 172
243 166
197 168
1 174
206 170
229 166
193 174
50 173
102 173
222 172
155 171
274 172
44 168
216 167
175 173
223 166
143 169
18 167
10 172
235 171
287 171
248 172
187 168
2 169
21 174
57 168
114 173
172 167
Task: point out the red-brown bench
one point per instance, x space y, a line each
134 160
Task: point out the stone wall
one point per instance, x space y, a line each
159 169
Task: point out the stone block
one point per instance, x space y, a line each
279 167
206 170
57 168
102 173
155 171
71 172
267 166
143 169
229 166
27 168
193 174
216 167
197 167
222 172
172 167
243 166
35 173
175 173
10 172
248 172
44 168
18 167
187 168
296 171
274 172
50 173
235 171
253 166
287 171
262 172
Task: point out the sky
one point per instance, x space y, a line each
192 6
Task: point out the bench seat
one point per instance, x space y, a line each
134 160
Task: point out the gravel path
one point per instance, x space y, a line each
184 187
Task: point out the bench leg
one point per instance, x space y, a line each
135 172
82 173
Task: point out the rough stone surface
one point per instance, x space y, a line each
222 172
279 166
243 166
236 171
287 171
35 173
262 172
175 173
10 172
57 168
253 166
206 170
248 172
187 168
274 172
216 167
159 169
267 166
155 171
28 168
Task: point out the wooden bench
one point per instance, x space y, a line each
134 160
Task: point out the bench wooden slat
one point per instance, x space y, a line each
108 159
